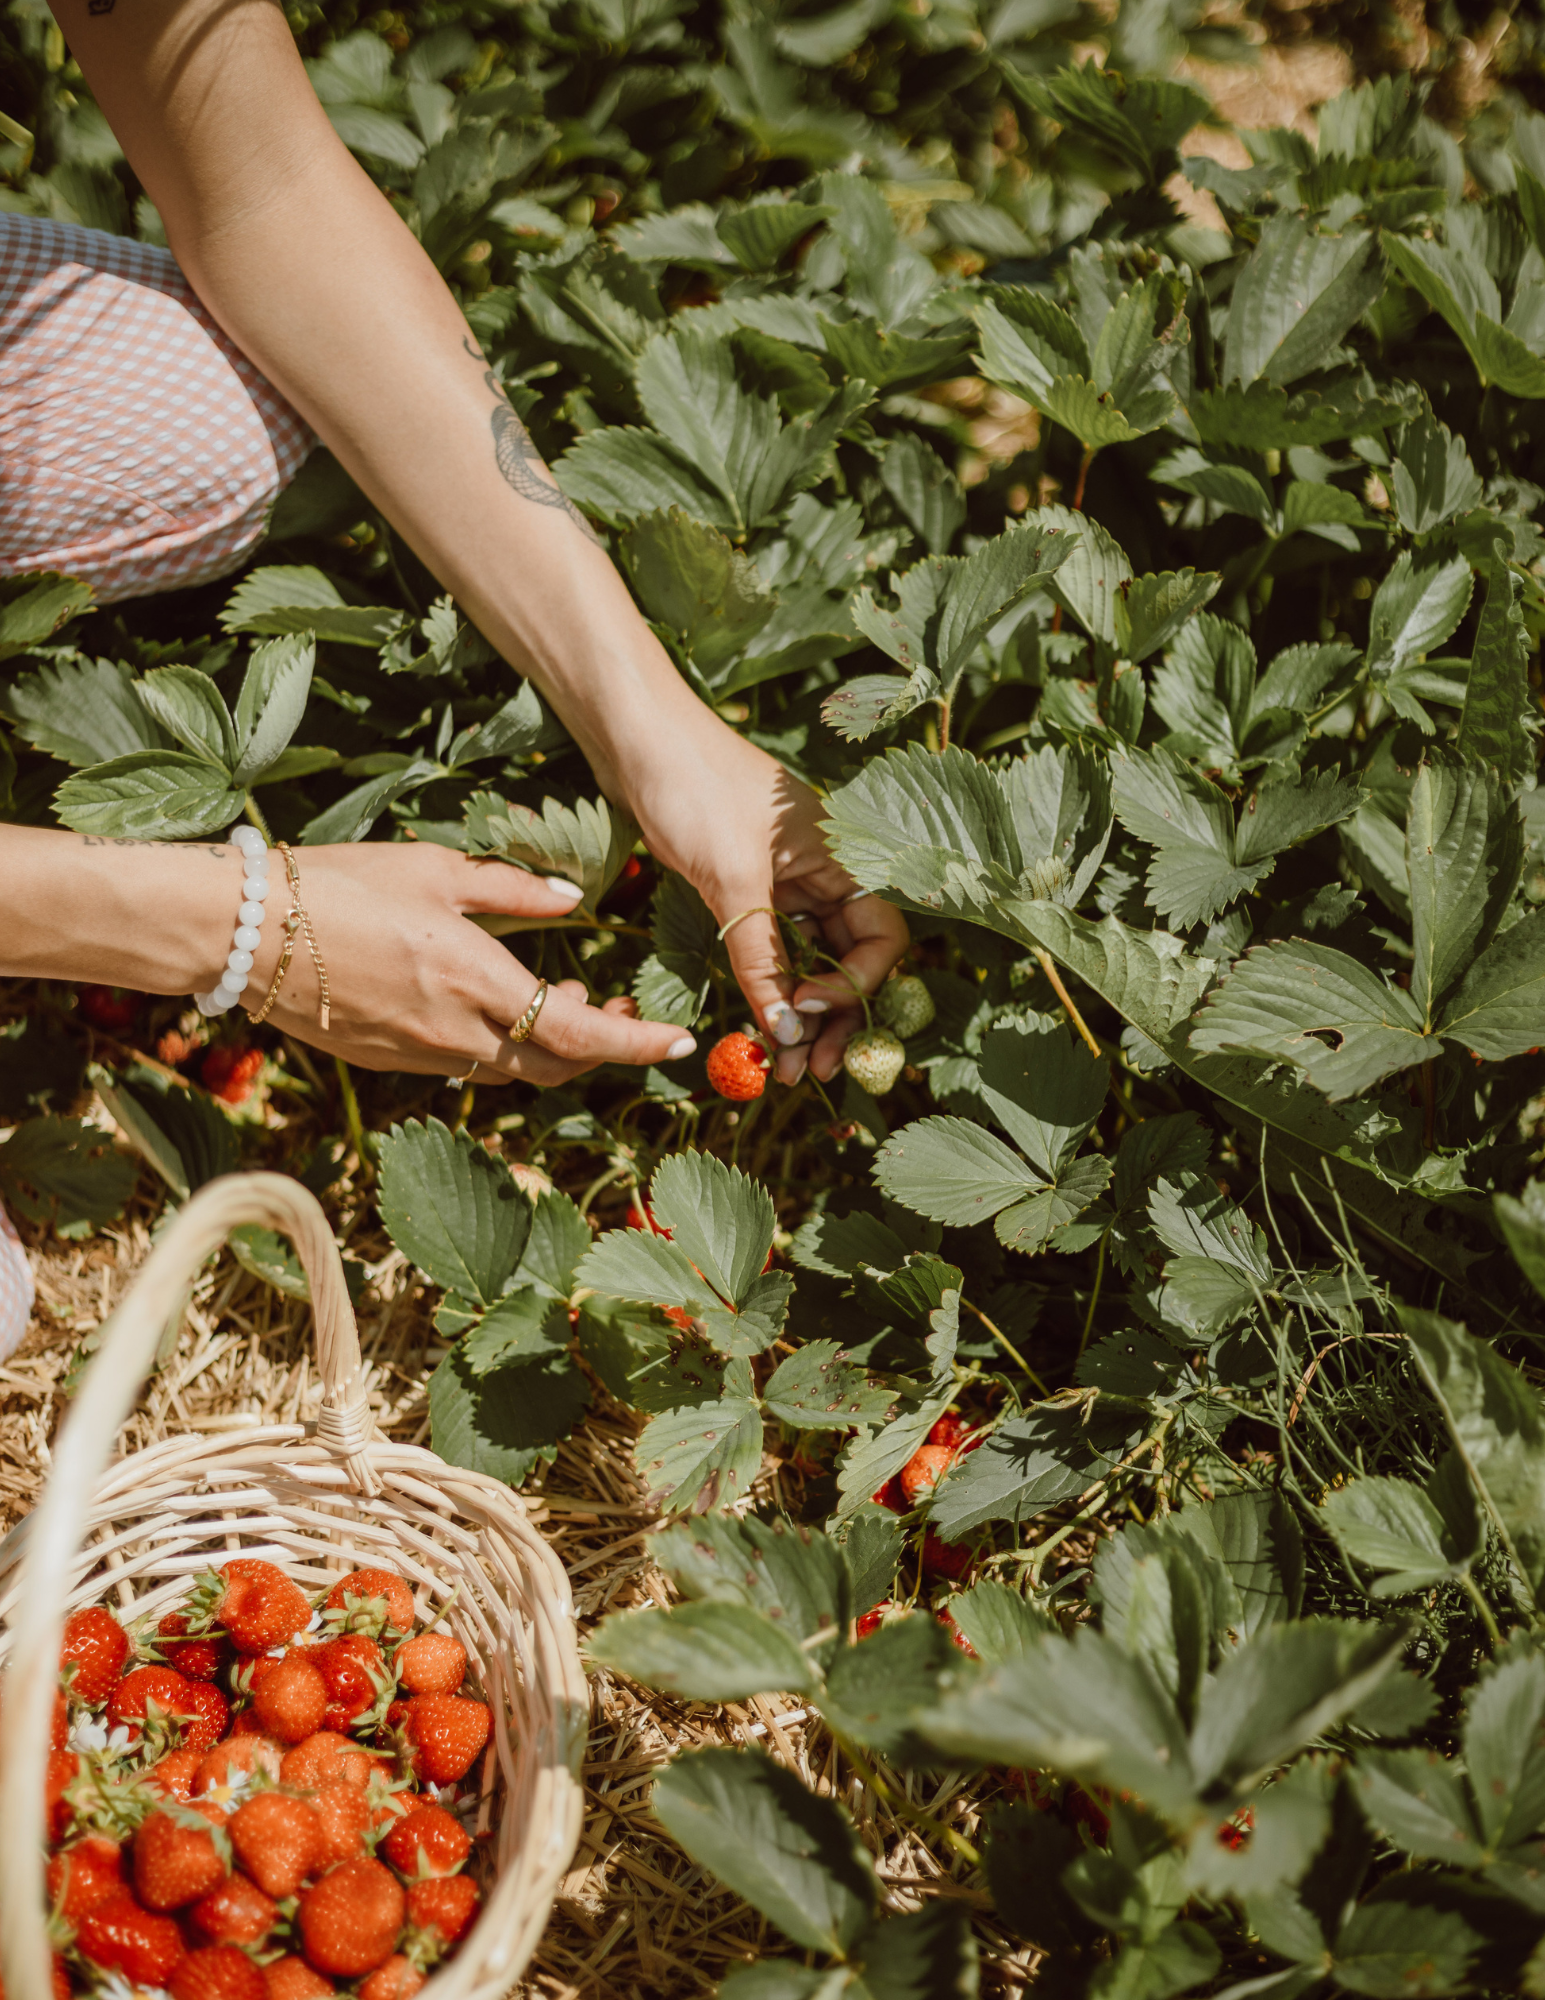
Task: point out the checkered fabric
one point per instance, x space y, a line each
15 1289
139 449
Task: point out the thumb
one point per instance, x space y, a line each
760 965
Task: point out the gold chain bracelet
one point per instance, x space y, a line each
297 919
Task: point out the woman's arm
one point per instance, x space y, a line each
413 984
316 278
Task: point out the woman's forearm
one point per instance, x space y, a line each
145 914
322 285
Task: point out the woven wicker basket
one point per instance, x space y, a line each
319 1503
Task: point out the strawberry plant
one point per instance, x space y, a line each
1109 1410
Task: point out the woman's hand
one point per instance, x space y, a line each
747 835
415 986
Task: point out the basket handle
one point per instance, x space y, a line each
55 1529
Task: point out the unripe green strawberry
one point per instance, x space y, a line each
905 1006
874 1060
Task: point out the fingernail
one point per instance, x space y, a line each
792 1065
784 1024
813 1006
678 1049
570 891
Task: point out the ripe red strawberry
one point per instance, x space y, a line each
948 1429
396 1978
59 1724
148 1694
367 1600
737 1068
433 1663
428 1842
891 1496
110 1008
943 1558
260 1608
206 1716
229 1073
238 1912
924 1469
62 1769
179 1856
345 1816
174 1047
96 1645
293 1979
79 1877
119 1936
957 1637
173 1776
354 1669
198 1659
448 1733
445 1905
291 1701
350 1920
216 1972
869 1622
277 1840
328 1759
234 1761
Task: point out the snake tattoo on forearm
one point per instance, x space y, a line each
520 463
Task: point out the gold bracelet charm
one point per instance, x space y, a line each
297 919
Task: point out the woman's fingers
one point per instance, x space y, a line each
495 888
761 968
574 1034
876 937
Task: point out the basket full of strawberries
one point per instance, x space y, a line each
285 1713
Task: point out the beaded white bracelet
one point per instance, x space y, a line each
249 924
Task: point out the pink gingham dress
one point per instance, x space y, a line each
16 1292
139 449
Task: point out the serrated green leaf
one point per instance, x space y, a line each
721 1219
870 1459
875 1691
1043 1087
1401 1951
1494 1418
1153 609
44 604
1193 873
790 1854
453 1208
688 576
1280 999
64 1172
1522 1222
83 711
759 235
1464 853
999 1623
1497 699
952 1170
1027 1465
503 1423
707 1651
796 1576
1029 1225
1297 296
1393 1528
559 1238
290 599
587 843
270 705
1499 1008
189 707
1432 480
702 1456
522 1326
149 795
819 1388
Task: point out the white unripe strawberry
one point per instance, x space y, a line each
874 1060
904 1005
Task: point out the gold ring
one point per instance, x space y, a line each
524 1028
761 910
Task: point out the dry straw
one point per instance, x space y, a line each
320 1502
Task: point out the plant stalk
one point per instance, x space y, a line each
1048 965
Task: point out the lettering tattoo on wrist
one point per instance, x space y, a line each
520 463
220 853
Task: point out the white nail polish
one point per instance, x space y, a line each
795 1068
681 1048
813 1006
784 1024
570 891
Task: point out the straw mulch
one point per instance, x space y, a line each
635 1917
